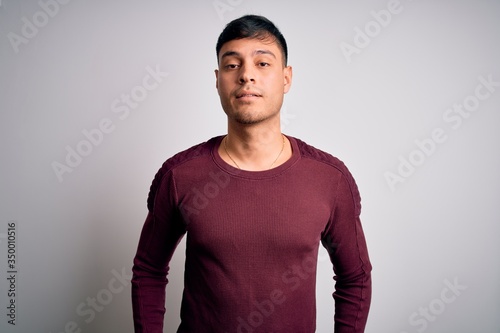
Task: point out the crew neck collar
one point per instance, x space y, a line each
255 174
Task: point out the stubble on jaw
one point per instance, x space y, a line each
251 117
250 113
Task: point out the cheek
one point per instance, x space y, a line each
223 85
277 83
224 94
220 88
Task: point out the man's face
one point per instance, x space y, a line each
252 79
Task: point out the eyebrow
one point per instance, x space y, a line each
237 54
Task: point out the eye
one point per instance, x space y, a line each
231 66
264 64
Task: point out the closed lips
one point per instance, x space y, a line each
249 94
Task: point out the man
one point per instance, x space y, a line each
254 205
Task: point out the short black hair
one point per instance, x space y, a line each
252 26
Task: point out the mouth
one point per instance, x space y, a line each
247 94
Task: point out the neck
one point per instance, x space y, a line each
255 147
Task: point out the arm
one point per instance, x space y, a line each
345 242
161 233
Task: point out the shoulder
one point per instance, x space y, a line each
309 152
312 153
200 150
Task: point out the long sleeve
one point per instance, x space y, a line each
344 239
161 233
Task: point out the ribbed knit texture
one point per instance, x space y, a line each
252 244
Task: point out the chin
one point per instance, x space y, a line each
246 119
251 119
249 116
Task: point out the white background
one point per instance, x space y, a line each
436 225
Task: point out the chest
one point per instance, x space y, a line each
265 216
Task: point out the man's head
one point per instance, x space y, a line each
253 74
253 26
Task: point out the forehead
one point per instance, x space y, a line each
245 47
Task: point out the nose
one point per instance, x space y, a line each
246 75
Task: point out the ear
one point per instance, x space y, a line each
287 76
216 78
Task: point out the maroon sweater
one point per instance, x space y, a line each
252 244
